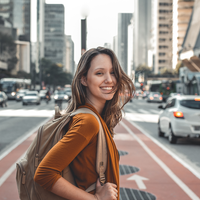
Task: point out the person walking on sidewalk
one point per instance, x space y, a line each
97 83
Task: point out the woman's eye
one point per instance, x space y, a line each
112 73
98 73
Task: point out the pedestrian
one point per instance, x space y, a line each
97 83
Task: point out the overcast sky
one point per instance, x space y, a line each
102 18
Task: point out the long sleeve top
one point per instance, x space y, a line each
77 149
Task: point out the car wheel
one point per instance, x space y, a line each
160 133
172 138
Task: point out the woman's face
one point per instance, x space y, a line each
100 81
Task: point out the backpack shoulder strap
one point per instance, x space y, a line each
101 161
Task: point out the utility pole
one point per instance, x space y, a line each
83 35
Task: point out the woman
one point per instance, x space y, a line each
97 83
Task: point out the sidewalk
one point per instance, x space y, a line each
147 172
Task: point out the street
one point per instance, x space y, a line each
18 123
17 120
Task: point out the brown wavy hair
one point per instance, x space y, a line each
112 112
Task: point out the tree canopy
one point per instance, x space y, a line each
52 74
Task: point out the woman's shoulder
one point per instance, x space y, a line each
86 121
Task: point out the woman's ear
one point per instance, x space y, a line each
83 81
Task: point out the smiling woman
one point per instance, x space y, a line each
97 83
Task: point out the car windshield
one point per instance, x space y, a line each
59 92
194 104
22 92
31 94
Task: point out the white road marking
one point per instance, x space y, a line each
154 111
26 113
139 181
143 111
153 118
184 187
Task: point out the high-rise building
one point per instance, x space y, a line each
142 32
54 38
15 21
124 19
69 55
16 14
184 11
164 50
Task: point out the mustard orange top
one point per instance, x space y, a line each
78 149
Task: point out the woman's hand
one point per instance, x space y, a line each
106 192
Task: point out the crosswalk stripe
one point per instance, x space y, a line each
143 111
26 113
154 111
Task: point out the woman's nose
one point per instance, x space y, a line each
108 78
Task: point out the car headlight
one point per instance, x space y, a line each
66 97
13 93
56 97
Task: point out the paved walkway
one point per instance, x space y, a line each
147 171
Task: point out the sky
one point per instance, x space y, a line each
102 20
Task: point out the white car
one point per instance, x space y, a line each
155 97
180 118
31 97
20 94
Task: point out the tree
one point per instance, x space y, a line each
178 66
8 51
52 74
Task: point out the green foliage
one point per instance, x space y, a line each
178 66
52 74
23 74
8 47
143 68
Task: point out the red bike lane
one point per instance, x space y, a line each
147 172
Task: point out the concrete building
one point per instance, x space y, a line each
124 19
164 32
142 32
114 47
54 38
16 14
69 55
190 54
15 22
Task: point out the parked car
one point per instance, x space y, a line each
180 118
20 94
155 97
42 94
31 97
60 95
145 94
138 93
3 99
68 91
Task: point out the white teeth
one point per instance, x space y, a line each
107 88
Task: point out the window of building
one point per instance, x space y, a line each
163 32
162 54
162 39
162 61
163 47
163 25
165 4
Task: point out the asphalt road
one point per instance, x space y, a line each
16 121
186 149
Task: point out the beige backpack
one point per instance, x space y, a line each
48 135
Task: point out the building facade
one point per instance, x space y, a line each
124 19
54 38
15 21
69 55
142 32
164 35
